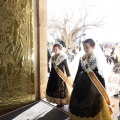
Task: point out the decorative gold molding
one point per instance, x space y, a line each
16 54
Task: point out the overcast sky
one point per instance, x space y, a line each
110 31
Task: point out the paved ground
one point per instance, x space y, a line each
39 110
42 110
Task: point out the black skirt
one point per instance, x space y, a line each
56 87
85 98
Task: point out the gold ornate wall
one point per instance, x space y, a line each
17 84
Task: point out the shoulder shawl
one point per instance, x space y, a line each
59 59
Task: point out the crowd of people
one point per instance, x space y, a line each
87 98
112 54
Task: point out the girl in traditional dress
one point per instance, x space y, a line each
57 90
86 101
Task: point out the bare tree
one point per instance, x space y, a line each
69 29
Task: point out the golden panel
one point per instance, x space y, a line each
16 54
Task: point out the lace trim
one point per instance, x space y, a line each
60 93
59 59
87 112
92 62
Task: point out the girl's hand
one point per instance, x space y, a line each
73 85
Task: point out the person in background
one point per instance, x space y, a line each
57 91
